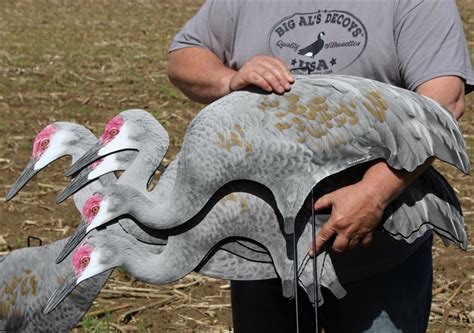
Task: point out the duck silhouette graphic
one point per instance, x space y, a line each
314 48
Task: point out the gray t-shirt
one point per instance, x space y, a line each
401 42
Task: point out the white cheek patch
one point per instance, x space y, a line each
108 164
56 149
102 216
120 142
93 268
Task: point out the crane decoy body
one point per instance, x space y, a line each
288 144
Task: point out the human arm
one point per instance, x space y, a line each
202 76
358 208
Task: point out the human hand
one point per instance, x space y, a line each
356 211
267 73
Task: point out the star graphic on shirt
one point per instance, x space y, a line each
333 61
293 62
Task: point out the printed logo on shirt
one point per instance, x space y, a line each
322 42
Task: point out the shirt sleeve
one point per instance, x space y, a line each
212 27
430 42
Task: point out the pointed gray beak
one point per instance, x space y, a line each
89 157
61 293
73 241
75 185
27 173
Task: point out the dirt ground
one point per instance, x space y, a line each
86 61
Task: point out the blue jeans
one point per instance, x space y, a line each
398 300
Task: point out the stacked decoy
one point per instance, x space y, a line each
232 203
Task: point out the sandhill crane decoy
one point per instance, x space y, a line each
107 248
290 143
28 276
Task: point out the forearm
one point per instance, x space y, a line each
389 183
199 73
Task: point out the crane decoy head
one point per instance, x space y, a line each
111 203
110 163
52 142
92 257
128 130
101 208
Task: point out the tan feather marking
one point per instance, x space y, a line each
297 120
298 110
34 285
264 105
340 121
301 139
275 103
378 96
10 289
233 197
24 290
239 129
229 197
292 98
4 310
248 149
378 105
350 113
316 132
354 120
311 115
12 299
244 204
329 124
318 100
325 116
16 313
371 108
282 126
235 140
27 271
301 128
281 114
